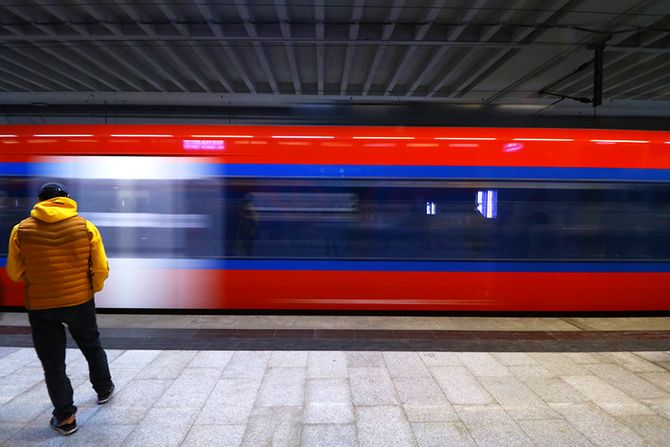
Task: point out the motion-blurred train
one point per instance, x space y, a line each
358 218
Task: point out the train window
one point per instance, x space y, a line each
372 219
17 197
364 219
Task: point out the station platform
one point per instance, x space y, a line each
304 380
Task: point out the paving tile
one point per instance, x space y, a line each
40 435
559 364
111 414
8 430
20 381
383 426
405 364
371 386
597 426
588 358
654 429
554 433
5 350
107 435
423 400
654 356
329 435
167 365
189 390
660 406
27 406
275 426
660 379
633 362
327 365
490 425
134 359
247 365
554 390
460 386
517 399
628 382
214 435
288 359
17 359
514 358
440 434
440 359
328 401
483 364
526 372
161 427
282 387
211 359
140 393
606 396
230 402
365 359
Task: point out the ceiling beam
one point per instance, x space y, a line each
319 18
419 36
438 55
354 28
387 32
485 36
563 54
150 31
230 52
282 15
245 15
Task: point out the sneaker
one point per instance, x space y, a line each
65 428
104 397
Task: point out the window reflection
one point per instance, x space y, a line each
256 218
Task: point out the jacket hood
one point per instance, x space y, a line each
54 210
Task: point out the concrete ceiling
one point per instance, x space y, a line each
524 57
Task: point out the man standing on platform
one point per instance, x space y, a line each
61 259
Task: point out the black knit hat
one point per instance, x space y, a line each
51 190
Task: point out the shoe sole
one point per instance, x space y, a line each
64 432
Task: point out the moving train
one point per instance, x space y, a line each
358 218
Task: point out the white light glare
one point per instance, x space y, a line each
543 139
7 136
222 136
466 138
141 135
383 138
430 208
619 141
315 137
63 135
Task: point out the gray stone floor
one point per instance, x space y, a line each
335 398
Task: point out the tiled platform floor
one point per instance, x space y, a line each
352 398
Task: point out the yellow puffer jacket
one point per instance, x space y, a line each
58 254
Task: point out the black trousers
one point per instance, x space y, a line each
48 332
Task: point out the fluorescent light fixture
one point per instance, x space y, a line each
543 139
63 135
619 141
383 138
7 136
141 135
222 136
314 137
466 138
